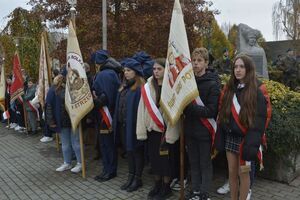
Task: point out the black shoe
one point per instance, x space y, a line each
136 184
128 183
204 196
155 189
107 177
150 171
97 178
164 193
193 196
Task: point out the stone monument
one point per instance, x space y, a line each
247 44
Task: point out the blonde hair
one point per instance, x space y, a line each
201 52
58 82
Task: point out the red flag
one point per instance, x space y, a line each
17 86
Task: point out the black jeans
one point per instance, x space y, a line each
200 162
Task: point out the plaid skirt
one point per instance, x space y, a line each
232 143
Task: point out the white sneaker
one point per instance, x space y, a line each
77 168
12 125
46 139
175 184
17 128
64 167
224 189
249 195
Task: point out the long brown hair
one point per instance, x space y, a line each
138 82
248 95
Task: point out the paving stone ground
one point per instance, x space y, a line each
27 171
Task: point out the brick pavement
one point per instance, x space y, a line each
27 171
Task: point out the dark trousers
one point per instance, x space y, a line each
136 161
12 114
252 173
200 162
109 153
48 132
20 116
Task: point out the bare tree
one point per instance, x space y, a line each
225 27
286 19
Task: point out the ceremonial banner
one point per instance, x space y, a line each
2 80
17 86
179 86
43 84
78 98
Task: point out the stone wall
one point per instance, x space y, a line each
275 48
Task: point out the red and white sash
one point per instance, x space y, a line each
152 108
34 109
209 123
106 116
235 109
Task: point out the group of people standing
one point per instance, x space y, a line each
129 101
125 96
22 105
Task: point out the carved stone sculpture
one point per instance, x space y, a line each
247 44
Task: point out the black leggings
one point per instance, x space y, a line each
136 161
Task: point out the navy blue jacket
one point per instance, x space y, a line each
55 110
107 83
132 103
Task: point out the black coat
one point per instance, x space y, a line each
253 136
209 90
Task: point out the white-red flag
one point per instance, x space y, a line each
43 84
179 86
17 86
78 98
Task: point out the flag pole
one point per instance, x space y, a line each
23 104
49 67
25 117
73 16
181 163
82 151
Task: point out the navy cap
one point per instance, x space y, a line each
99 56
134 65
146 62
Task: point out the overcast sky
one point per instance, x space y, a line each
255 13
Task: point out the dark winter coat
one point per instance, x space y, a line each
132 102
209 90
252 138
56 113
106 85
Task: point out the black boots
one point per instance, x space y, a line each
155 189
128 183
136 184
164 193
